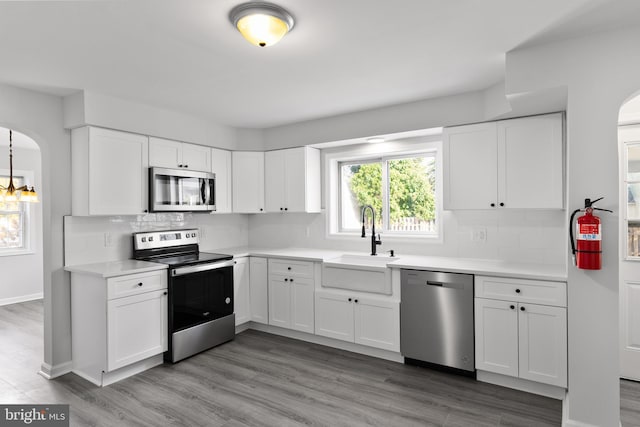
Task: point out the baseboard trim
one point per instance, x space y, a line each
50 372
22 298
329 342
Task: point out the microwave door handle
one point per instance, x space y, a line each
203 191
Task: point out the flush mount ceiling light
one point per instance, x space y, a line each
262 24
11 193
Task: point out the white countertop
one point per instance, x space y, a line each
448 264
115 268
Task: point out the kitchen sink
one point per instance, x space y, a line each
354 272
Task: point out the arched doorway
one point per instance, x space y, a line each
629 272
21 246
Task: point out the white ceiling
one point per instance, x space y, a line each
342 56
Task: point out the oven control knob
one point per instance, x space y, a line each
227 300
151 239
193 234
144 239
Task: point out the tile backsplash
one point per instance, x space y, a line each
108 238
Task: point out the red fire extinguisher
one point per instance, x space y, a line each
588 253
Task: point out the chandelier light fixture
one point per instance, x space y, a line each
11 193
262 24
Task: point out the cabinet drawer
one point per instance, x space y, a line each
522 290
133 284
291 268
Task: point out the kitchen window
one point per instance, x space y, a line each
13 221
403 189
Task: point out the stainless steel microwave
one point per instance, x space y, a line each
177 190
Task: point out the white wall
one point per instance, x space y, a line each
23 273
91 108
430 113
600 71
85 236
40 117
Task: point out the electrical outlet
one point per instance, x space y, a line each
479 235
108 241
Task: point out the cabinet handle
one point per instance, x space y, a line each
349 299
281 209
286 209
289 268
186 166
260 209
517 291
501 204
512 307
140 284
493 205
521 308
145 211
291 280
286 280
165 293
355 300
179 166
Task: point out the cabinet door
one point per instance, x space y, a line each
274 181
165 153
136 328
543 344
196 157
377 323
334 316
241 304
221 166
295 182
302 314
470 167
279 302
530 153
118 174
248 181
258 290
496 327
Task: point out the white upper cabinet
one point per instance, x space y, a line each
109 172
221 166
516 163
470 172
248 181
530 157
173 154
292 180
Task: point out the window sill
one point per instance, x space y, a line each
15 252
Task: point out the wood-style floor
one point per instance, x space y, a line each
265 380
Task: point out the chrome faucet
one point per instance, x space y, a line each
374 241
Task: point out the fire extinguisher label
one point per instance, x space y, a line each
589 232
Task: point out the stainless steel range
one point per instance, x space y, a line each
200 290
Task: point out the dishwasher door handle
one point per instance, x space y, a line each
430 283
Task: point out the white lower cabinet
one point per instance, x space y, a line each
369 321
517 338
258 290
291 290
137 328
241 296
118 324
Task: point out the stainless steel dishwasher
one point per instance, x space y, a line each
436 319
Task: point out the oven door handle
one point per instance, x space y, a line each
181 271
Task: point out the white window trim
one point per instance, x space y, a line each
385 150
28 219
